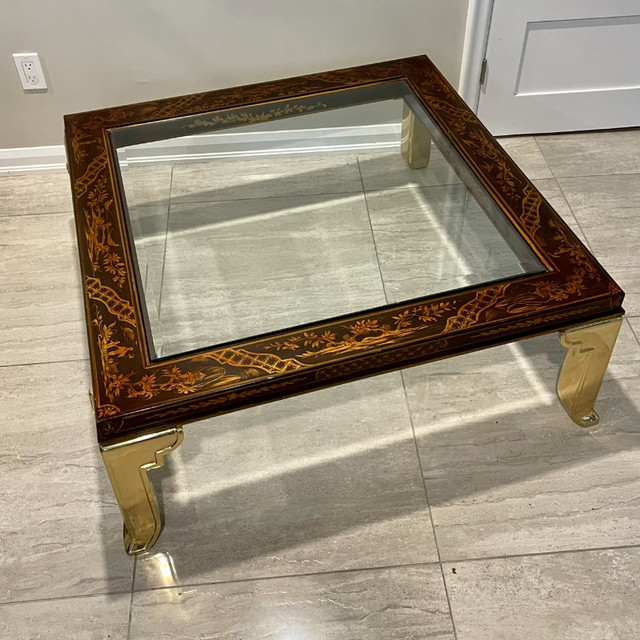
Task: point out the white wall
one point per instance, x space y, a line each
99 54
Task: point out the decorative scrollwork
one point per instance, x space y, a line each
253 117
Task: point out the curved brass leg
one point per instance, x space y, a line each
589 349
127 464
415 141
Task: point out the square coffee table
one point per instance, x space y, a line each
244 245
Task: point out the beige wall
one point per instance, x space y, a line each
99 54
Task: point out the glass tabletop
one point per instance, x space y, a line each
254 220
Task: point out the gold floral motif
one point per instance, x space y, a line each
117 383
248 117
364 334
574 251
99 233
110 351
107 410
177 380
79 141
173 379
545 291
460 116
113 115
493 160
115 426
534 322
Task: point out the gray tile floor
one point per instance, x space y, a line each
454 500
324 239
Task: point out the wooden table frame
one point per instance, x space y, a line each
141 403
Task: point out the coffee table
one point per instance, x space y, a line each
244 245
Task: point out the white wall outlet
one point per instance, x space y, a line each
30 71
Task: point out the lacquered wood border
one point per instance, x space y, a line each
133 394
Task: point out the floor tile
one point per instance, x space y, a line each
434 239
608 210
147 184
590 154
400 603
322 482
527 155
264 265
634 321
270 177
589 595
551 191
60 527
41 317
93 618
382 170
506 470
298 490
35 193
149 226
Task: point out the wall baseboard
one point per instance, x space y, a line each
28 159
220 145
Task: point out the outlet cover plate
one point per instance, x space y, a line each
30 71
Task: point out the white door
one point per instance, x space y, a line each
561 65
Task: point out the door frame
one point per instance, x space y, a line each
476 38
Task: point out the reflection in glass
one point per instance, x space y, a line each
162 568
245 230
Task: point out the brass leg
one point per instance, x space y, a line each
415 141
589 349
127 464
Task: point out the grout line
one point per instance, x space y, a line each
373 236
575 217
164 253
130 617
633 332
187 585
579 175
308 195
307 574
36 364
181 203
426 496
41 213
543 553
83 596
321 573
593 175
133 573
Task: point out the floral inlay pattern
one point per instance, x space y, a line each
103 249
249 117
128 382
364 333
166 379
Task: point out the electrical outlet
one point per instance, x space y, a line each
30 71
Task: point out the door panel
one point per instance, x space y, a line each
562 66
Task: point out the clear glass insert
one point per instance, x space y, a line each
254 220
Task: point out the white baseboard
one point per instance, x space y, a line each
32 159
220 145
